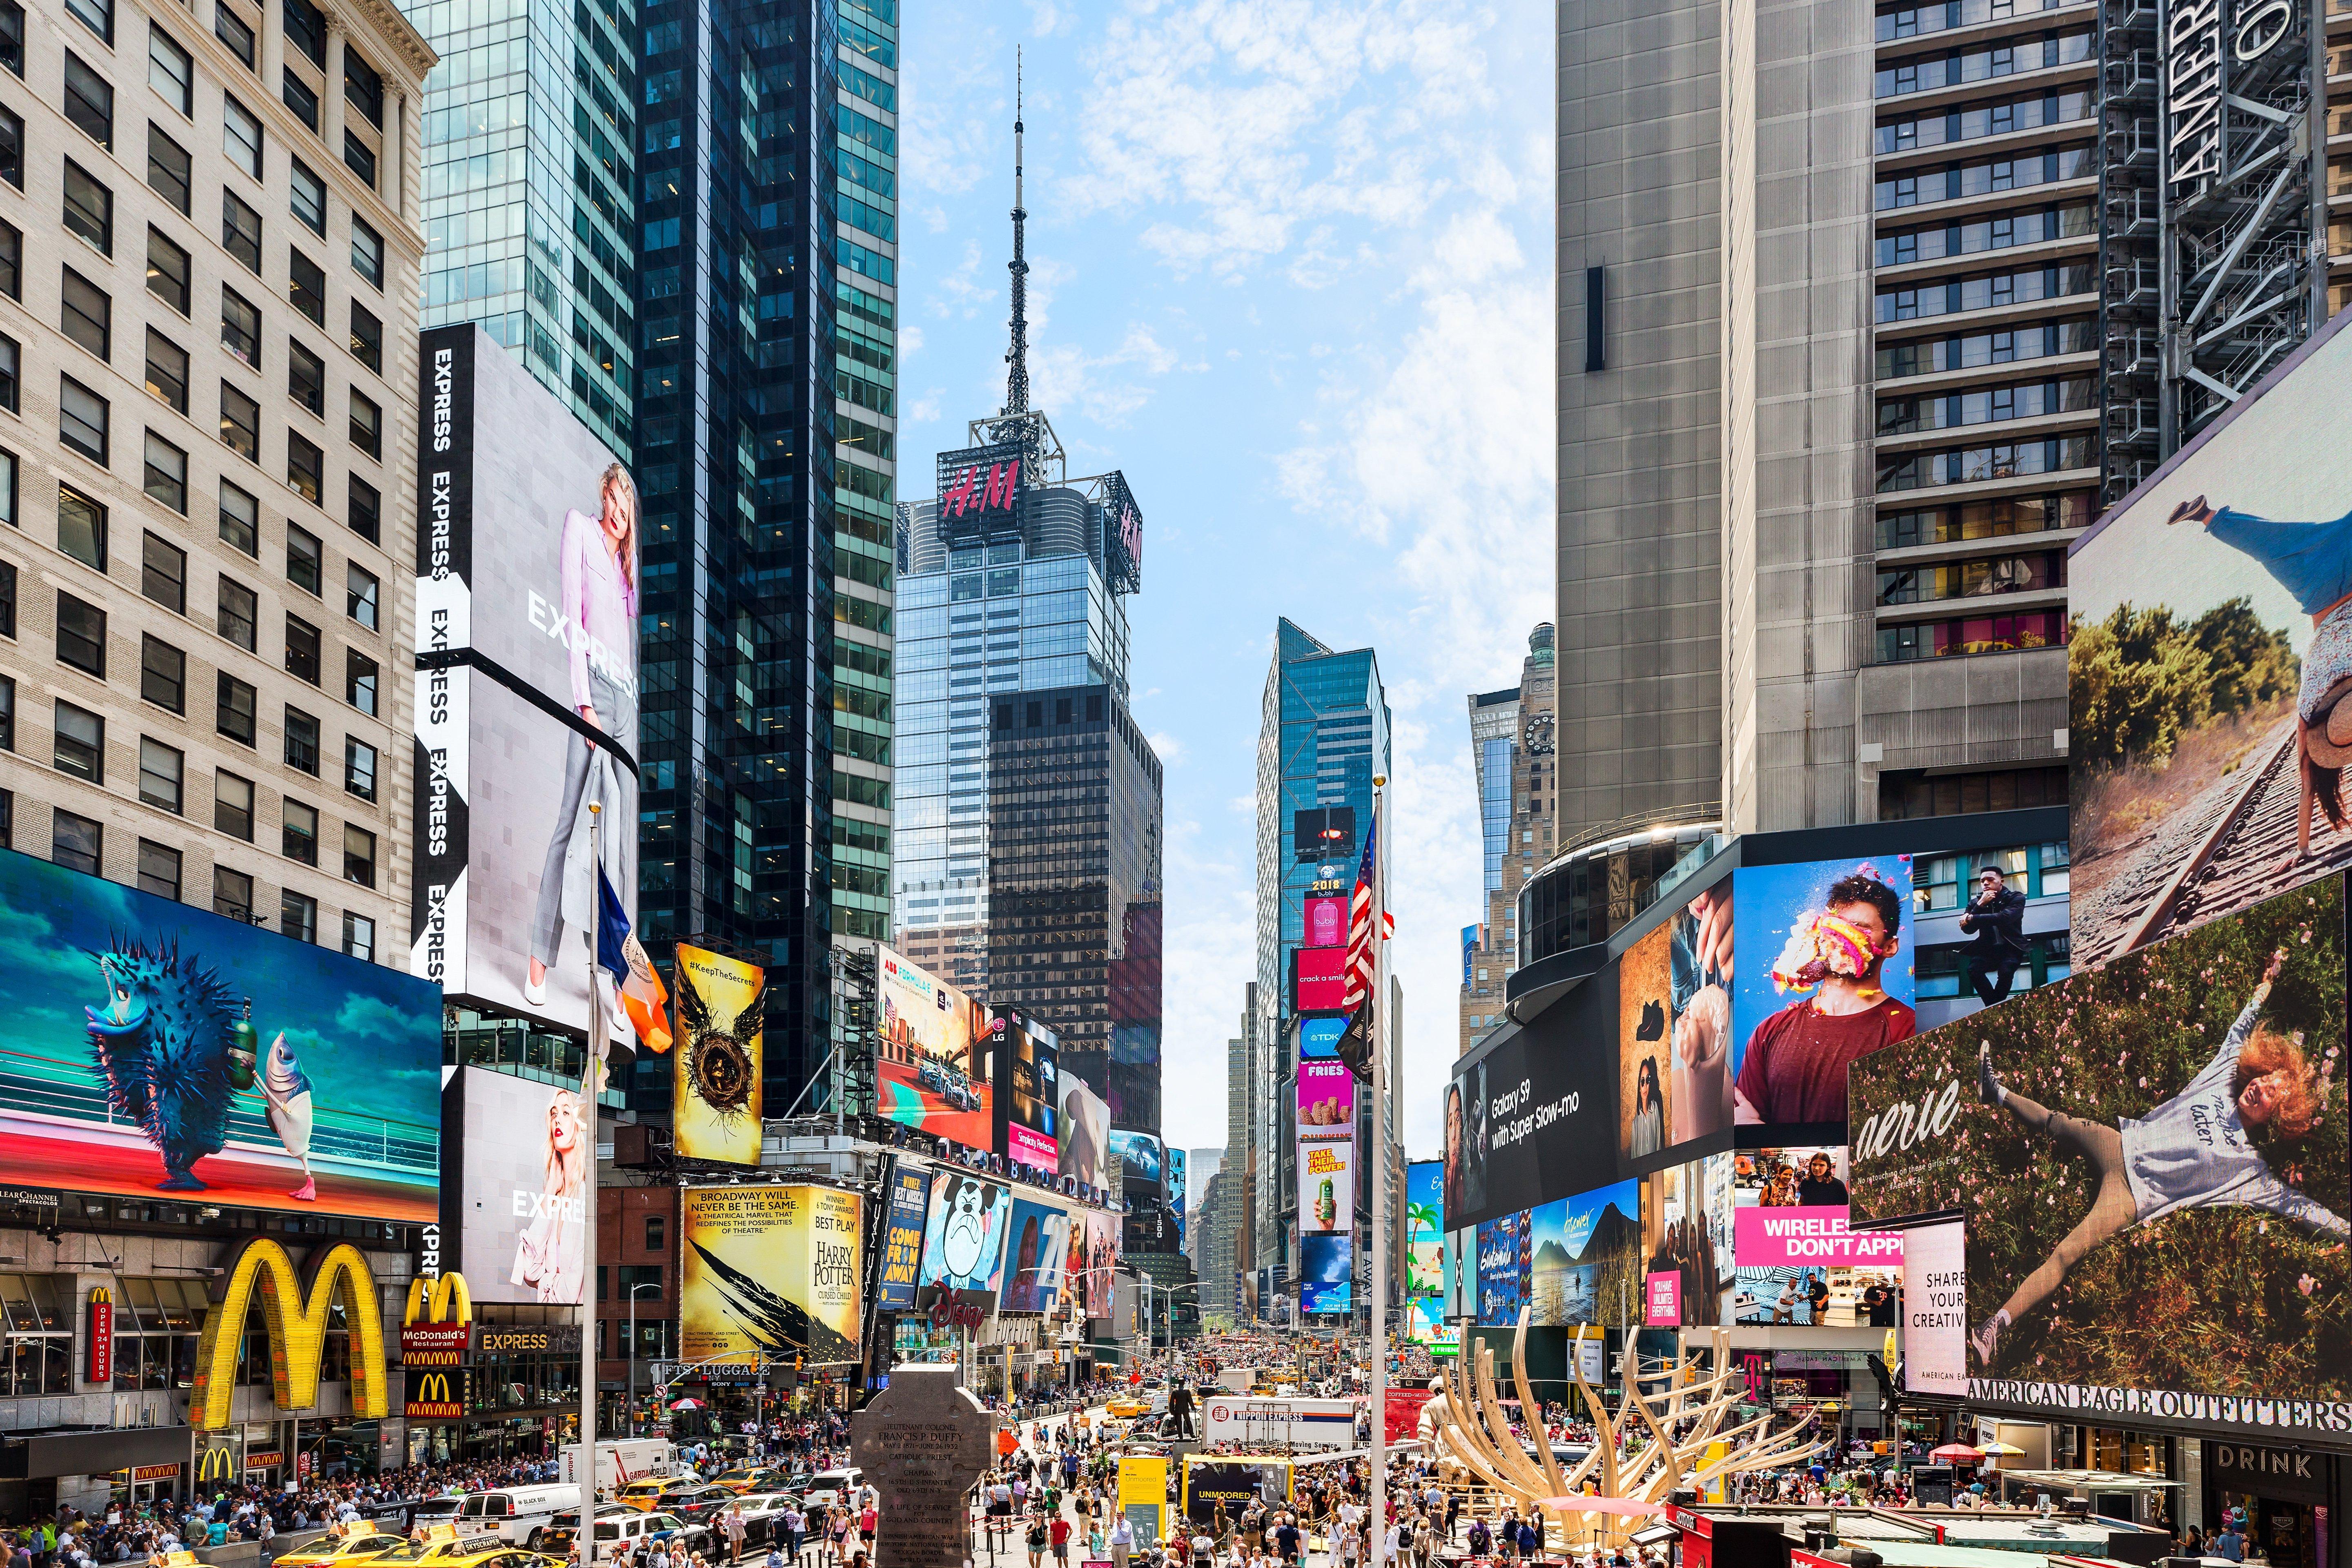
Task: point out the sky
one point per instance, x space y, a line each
1290 272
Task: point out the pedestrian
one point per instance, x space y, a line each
1035 1540
1122 1543
1057 1535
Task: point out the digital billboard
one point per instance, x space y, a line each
1686 1238
1326 1185
1093 1271
1532 1112
1319 979
1082 1133
909 1190
518 1179
1504 1264
1582 1257
1326 920
155 1048
722 1010
1318 1039
929 1074
1177 1175
770 1273
1325 1273
1791 1212
1424 1258
2211 648
1038 1244
1698 1082
1022 1066
979 489
1824 976
1644 1046
2150 1163
1327 1098
526 694
963 1240
1138 1155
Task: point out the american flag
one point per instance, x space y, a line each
1363 948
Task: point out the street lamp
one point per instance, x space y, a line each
650 1285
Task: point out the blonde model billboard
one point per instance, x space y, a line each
722 1007
770 1273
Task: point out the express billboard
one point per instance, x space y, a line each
155 1048
770 1273
1532 1114
1021 1065
527 693
518 1176
928 1070
2211 646
2150 1160
722 1009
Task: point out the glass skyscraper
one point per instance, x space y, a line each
530 135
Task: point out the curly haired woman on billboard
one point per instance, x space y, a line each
2194 1151
599 614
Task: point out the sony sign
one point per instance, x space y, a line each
2193 69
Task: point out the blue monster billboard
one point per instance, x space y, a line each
160 1047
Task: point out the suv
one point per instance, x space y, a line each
620 1528
695 1501
832 1487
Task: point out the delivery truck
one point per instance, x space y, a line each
1279 1425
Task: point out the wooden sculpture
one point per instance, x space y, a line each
1464 1428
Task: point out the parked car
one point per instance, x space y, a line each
832 1487
618 1527
695 1501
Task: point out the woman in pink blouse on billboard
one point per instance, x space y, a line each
600 614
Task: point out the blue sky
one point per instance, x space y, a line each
1290 272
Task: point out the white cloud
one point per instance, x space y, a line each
1166 747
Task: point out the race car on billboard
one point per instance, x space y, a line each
948 1083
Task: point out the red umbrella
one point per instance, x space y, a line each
1957 1453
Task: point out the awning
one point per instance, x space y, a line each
90 1451
2093 1481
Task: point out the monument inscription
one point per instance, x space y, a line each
923 1442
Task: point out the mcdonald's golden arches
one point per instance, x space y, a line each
436 1327
430 1397
294 1310
98 1361
215 1465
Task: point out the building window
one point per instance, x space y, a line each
7 713
358 768
162 675
359 937
170 171
233 813
85 314
367 252
232 29
90 101
306 467
164 573
234 704
81 528
76 843
366 508
309 199
240 423
306 376
233 891
8 363
358 856
361 594
305 560
240 520
240 131
160 769
241 328
97 15
299 834
301 742
240 615
367 338
1902 796
80 744
12 261
7 597
359 681
656 1225
306 285
367 427
241 231
89 208
83 418
359 157
362 87
301 649
297 916
170 71
167 473
167 374
167 271
306 29
12 148
81 636
12 35
303 100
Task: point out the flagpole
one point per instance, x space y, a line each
588 1084
1380 1164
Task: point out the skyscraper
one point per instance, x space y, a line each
531 140
1516 765
1323 737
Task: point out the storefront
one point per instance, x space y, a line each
2279 1499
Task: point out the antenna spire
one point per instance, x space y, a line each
1016 380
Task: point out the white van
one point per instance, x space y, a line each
515 1514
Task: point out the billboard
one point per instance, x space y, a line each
1138 1155
1531 1113
1824 976
1325 1273
1325 919
1327 1098
2208 655
1021 1065
1318 1039
520 1180
1424 1229
1686 1238
1319 979
909 1190
1039 1244
1093 1272
1791 1212
1082 1129
770 1273
526 705
963 1240
1502 1267
979 489
1698 1082
155 1048
1177 1197
1582 1257
2159 1142
722 1009
1326 1185
928 1071
1645 1049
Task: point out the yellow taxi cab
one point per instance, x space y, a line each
1127 1409
442 1548
642 1495
358 1542
745 1478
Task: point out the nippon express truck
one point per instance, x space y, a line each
1279 1425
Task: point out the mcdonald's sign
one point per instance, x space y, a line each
215 1465
294 1309
439 1317
98 1342
430 1397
